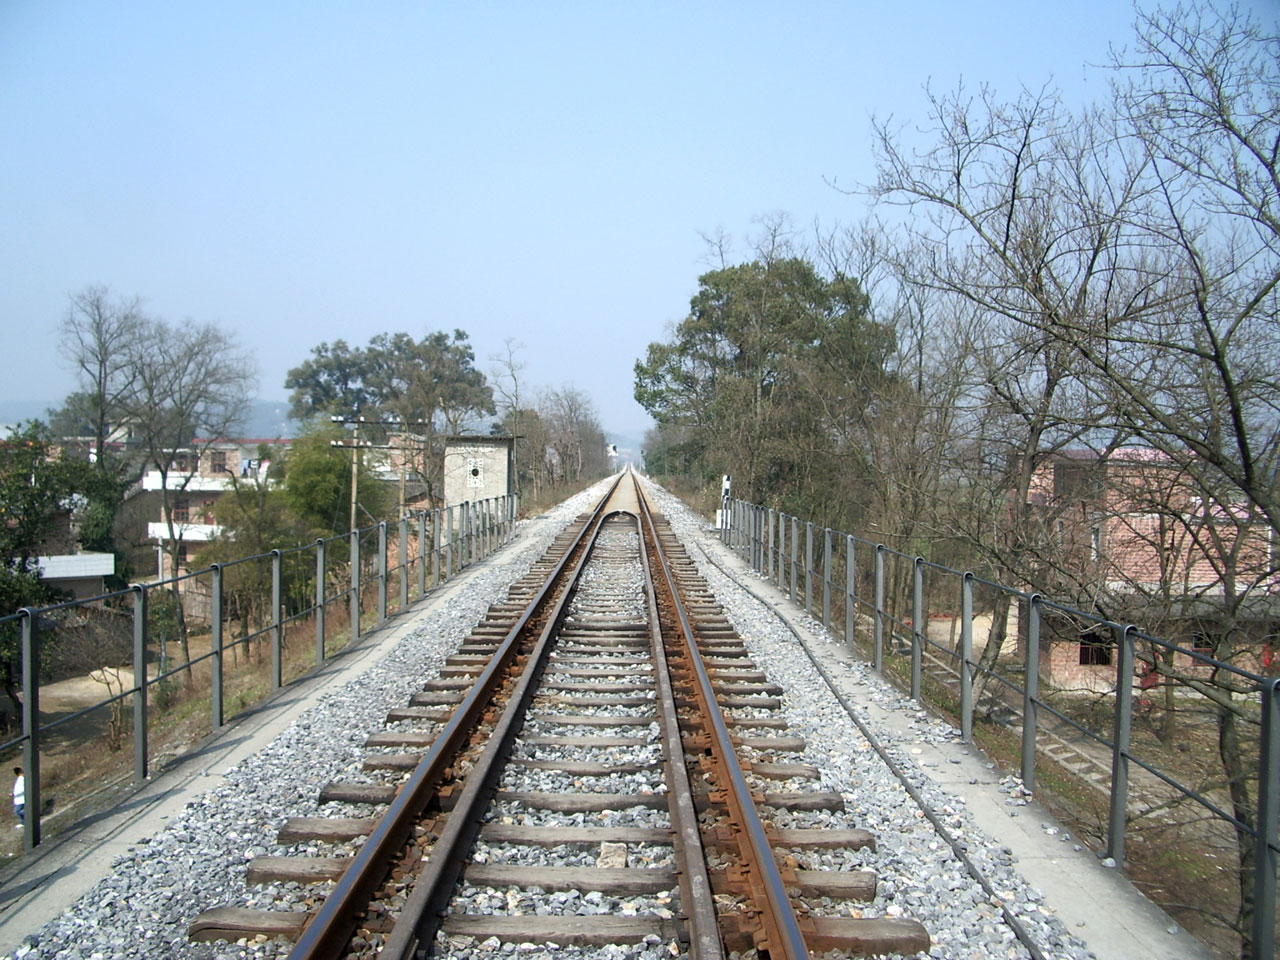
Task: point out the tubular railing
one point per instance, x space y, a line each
331 590
803 561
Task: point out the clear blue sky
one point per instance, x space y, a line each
303 172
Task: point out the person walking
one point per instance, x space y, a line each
19 797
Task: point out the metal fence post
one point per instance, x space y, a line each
31 727
877 626
850 594
139 683
782 550
919 624
215 648
762 539
277 626
382 571
826 577
1031 693
795 557
1120 745
966 657
808 568
1268 825
404 562
448 544
355 585
422 553
320 598
437 538
757 537
770 542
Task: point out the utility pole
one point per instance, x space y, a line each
356 445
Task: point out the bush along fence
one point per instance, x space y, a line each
1068 693
225 636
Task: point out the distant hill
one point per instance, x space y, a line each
269 420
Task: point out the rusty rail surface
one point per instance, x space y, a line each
329 932
781 935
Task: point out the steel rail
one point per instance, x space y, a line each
328 933
783 938
424 910
697 899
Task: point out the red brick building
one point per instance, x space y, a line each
1141 539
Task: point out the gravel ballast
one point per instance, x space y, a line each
142 910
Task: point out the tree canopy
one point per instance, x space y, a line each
432 379
770 352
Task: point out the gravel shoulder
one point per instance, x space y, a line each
1072 905
166 855
127 885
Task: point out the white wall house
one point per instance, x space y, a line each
196 482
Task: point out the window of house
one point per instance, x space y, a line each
1205 644
218 461
1095 651
181 510
182 556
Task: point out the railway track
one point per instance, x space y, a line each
599 763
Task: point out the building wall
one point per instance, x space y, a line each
476 468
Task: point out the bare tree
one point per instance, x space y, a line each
576 436
1130 259
190 387
506 380
99 335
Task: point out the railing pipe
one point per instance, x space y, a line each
826 577
216 717
382 571
795 556
757 538
403 565
30 727
1268 825
422 553
437 536
1118 812
1031 692
769 543
966 657
877 626
850 595
448 544
320 600
808 569
139 683
919 625
782 549
277 622
355 585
